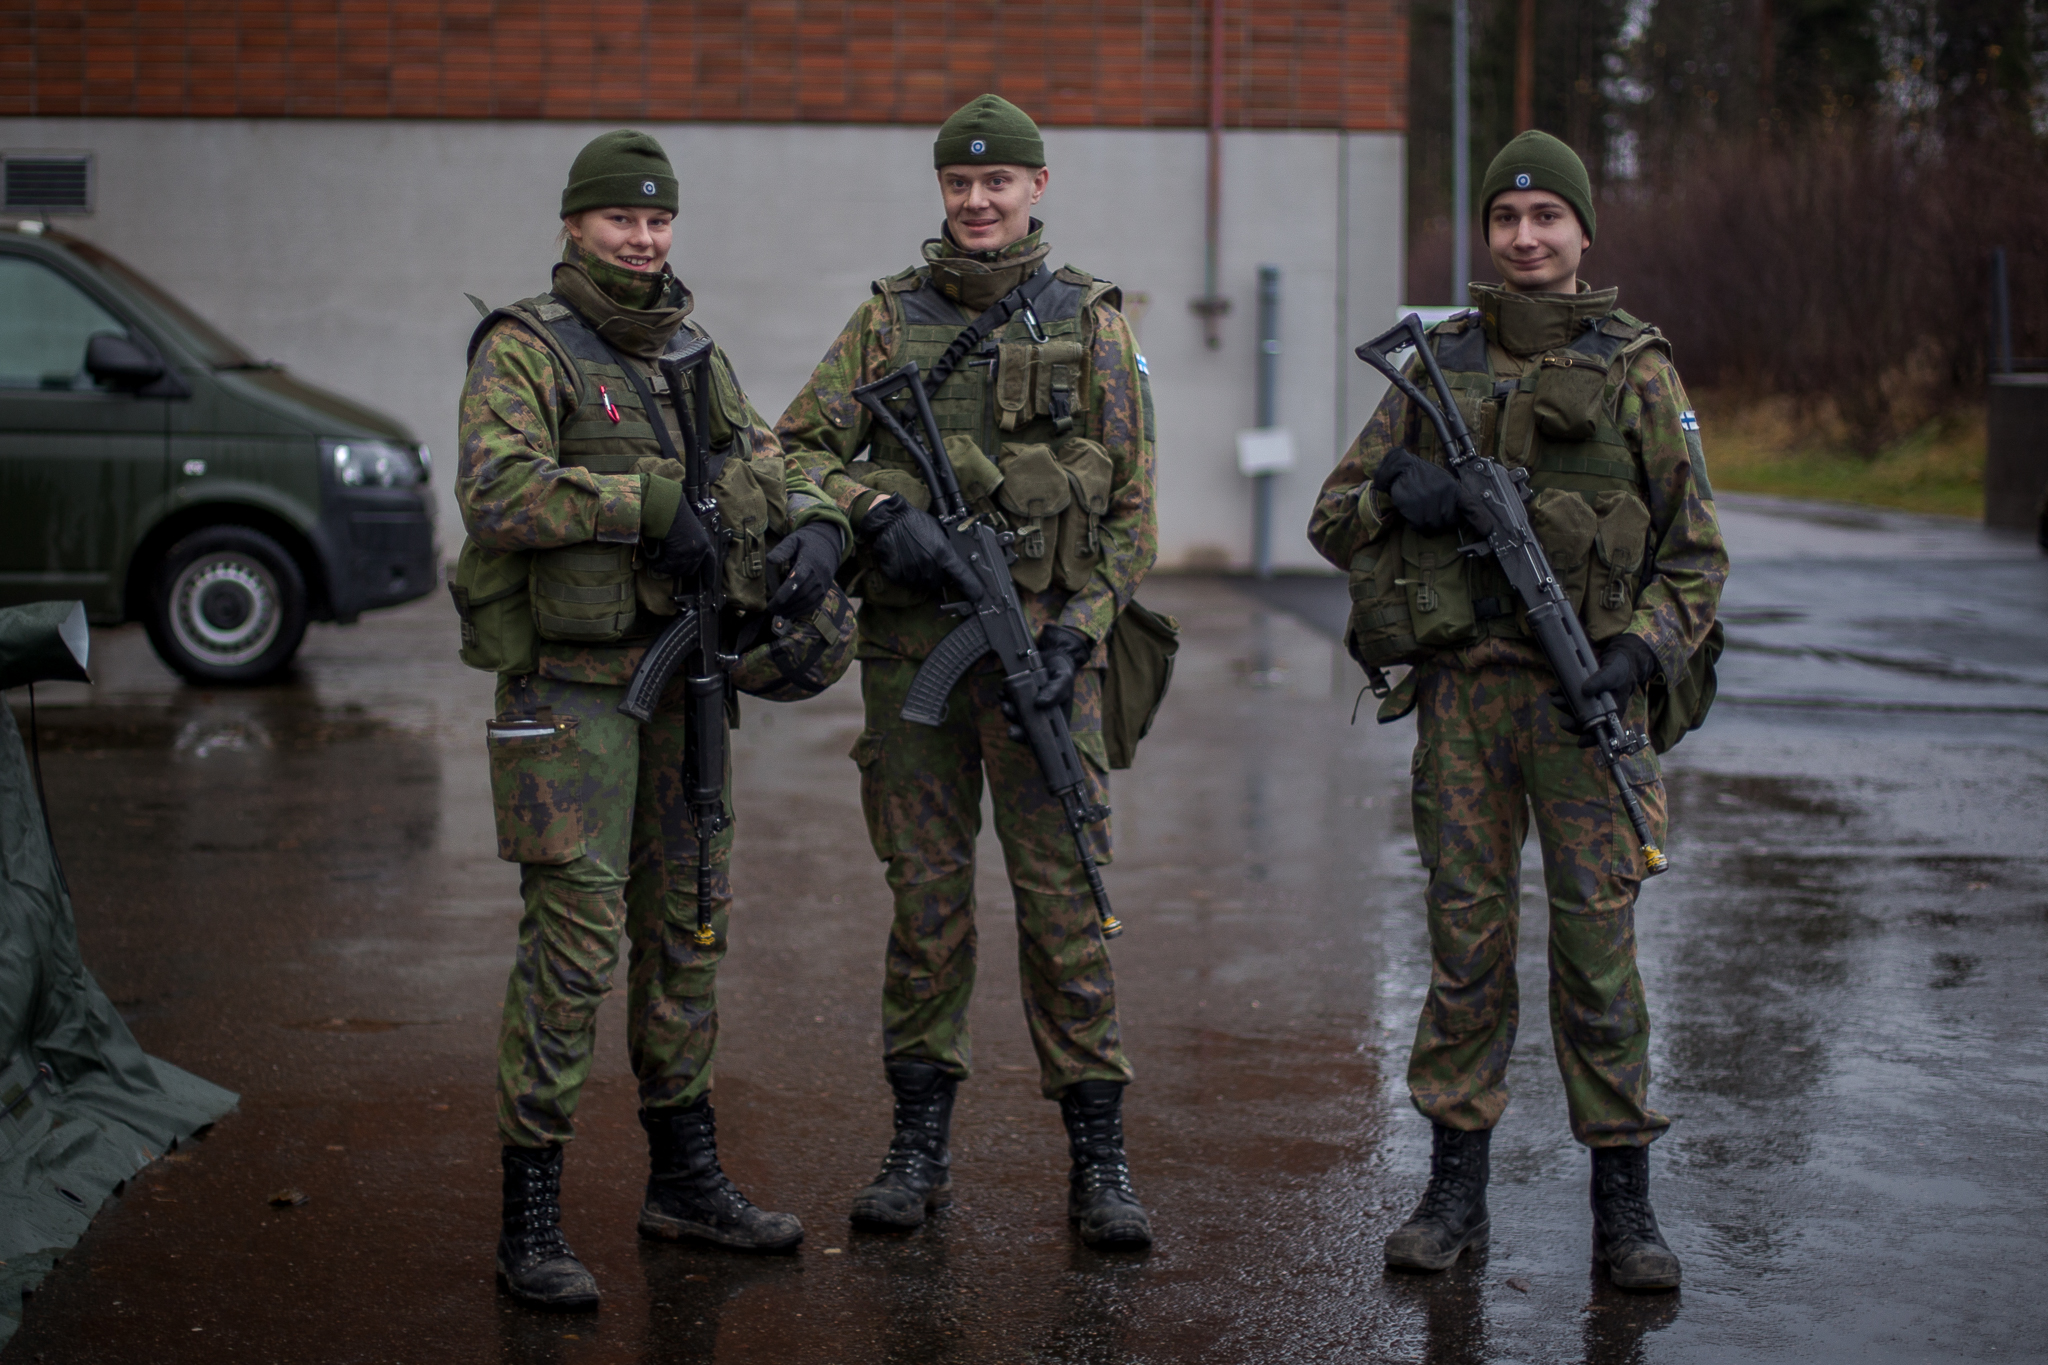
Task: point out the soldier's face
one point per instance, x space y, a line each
1536 242
989 207
633 239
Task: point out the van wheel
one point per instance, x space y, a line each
228 605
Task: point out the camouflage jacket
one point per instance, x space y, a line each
514 496
1676 605
825 430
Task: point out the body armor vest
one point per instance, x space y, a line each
591 593
1008 414
1414 594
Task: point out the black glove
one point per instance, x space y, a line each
911 548
811 555
1064 653
682 551
1626 664
1424 494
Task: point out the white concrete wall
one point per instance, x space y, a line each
343 249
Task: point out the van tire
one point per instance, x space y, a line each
227 605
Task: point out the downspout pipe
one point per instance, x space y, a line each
1212 306
1269 379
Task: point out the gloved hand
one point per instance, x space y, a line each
1425 495
1064 653
1626 664
683 549
811 555
911 548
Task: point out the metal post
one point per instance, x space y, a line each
1269 369
1461 148
1212 306
2001 315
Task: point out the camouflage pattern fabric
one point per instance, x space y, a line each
1490 754
920 789
593 811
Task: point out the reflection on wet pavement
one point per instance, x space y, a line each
293 891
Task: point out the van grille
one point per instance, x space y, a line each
48 183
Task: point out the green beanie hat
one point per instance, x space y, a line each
1538 161
621 170
989 131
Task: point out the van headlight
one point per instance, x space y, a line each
374 464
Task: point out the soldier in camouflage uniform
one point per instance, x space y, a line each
1047 425
572 497
1554 378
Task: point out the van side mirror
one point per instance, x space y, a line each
119 363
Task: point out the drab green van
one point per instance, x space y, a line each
153 468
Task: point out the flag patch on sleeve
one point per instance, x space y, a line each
1687 421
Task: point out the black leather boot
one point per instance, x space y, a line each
534 1263
1625 1233
689 1196
917 1173
1452 1214
1100 1202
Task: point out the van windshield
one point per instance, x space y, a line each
214 348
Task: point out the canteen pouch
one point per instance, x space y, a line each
584 593
1679 708
1142 644
1615 570
1033 493
1437 579
1379 632
1569 390
490 592
1089 472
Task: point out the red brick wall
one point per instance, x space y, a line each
1114 63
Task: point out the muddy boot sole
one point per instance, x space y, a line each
667 1227
581 1298
875 1211
1411 1254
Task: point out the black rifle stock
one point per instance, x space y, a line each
995 622
690 642
1513 544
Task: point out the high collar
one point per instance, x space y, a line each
1530 324
631 309
975 280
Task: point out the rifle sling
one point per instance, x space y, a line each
999 313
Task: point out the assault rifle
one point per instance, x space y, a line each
995 620
1489 492
690 641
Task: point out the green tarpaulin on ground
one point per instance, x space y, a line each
84 1107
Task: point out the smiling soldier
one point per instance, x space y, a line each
1555 379
1045 420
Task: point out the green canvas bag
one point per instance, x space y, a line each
1677 710
491 597
1142 644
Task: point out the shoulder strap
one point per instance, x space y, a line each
1006 307
646 394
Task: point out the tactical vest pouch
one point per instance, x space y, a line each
1438 589
1034 492
1617 564
1569 393
1142 644
1089 472
1378 632
1037 379
752 504
977 474
1677 710
584 593
1565 527
490 592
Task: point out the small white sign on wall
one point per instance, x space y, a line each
1265 450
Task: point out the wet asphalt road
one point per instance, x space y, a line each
292 891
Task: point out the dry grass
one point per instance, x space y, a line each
1764 446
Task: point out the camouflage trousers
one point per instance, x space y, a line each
1490 753
920 788
590 805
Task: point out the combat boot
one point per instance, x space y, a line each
534 1263
688 1195
1625 1233
917 1172
1100 1203
1452 1214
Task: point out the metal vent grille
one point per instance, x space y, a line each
48 183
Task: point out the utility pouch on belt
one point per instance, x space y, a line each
1378 633
1142 644
1033 493
1615 575
490 592
1439 591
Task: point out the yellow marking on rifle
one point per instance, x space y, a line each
705 937
1654 856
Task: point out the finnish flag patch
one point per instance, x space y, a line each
1143 368
1688 422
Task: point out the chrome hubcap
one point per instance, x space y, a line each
225 609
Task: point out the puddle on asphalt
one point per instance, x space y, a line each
202 725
